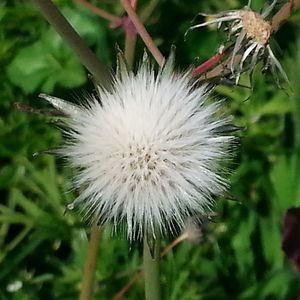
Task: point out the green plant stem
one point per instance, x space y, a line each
139 273
143 33
66 31
90 264
152 269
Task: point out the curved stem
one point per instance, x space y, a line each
90 264
177 241
66 31
151 269
126 287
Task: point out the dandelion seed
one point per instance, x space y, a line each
147 152
252 34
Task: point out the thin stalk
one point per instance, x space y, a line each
208 64
126 287
130 43
100 12
130 40
139 273
66 31
152 270
140 28
90 264
284 13
177 241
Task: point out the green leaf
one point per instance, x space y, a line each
277 106
29 68
284 179
241 243
46 64
10 174
270 230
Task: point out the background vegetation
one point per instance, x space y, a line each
42 250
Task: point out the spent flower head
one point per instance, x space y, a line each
148 152
251 33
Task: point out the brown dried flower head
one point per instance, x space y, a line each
251 34
256 27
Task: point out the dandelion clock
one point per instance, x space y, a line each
148 152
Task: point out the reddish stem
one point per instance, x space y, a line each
130 37
143 32
100 12
211 62
126 287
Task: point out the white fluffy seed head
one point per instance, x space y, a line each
147 152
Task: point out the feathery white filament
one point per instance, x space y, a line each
147 152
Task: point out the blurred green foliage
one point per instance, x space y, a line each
42 250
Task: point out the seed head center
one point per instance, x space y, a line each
141 162
256 27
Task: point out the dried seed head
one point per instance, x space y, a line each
256 27
251 32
